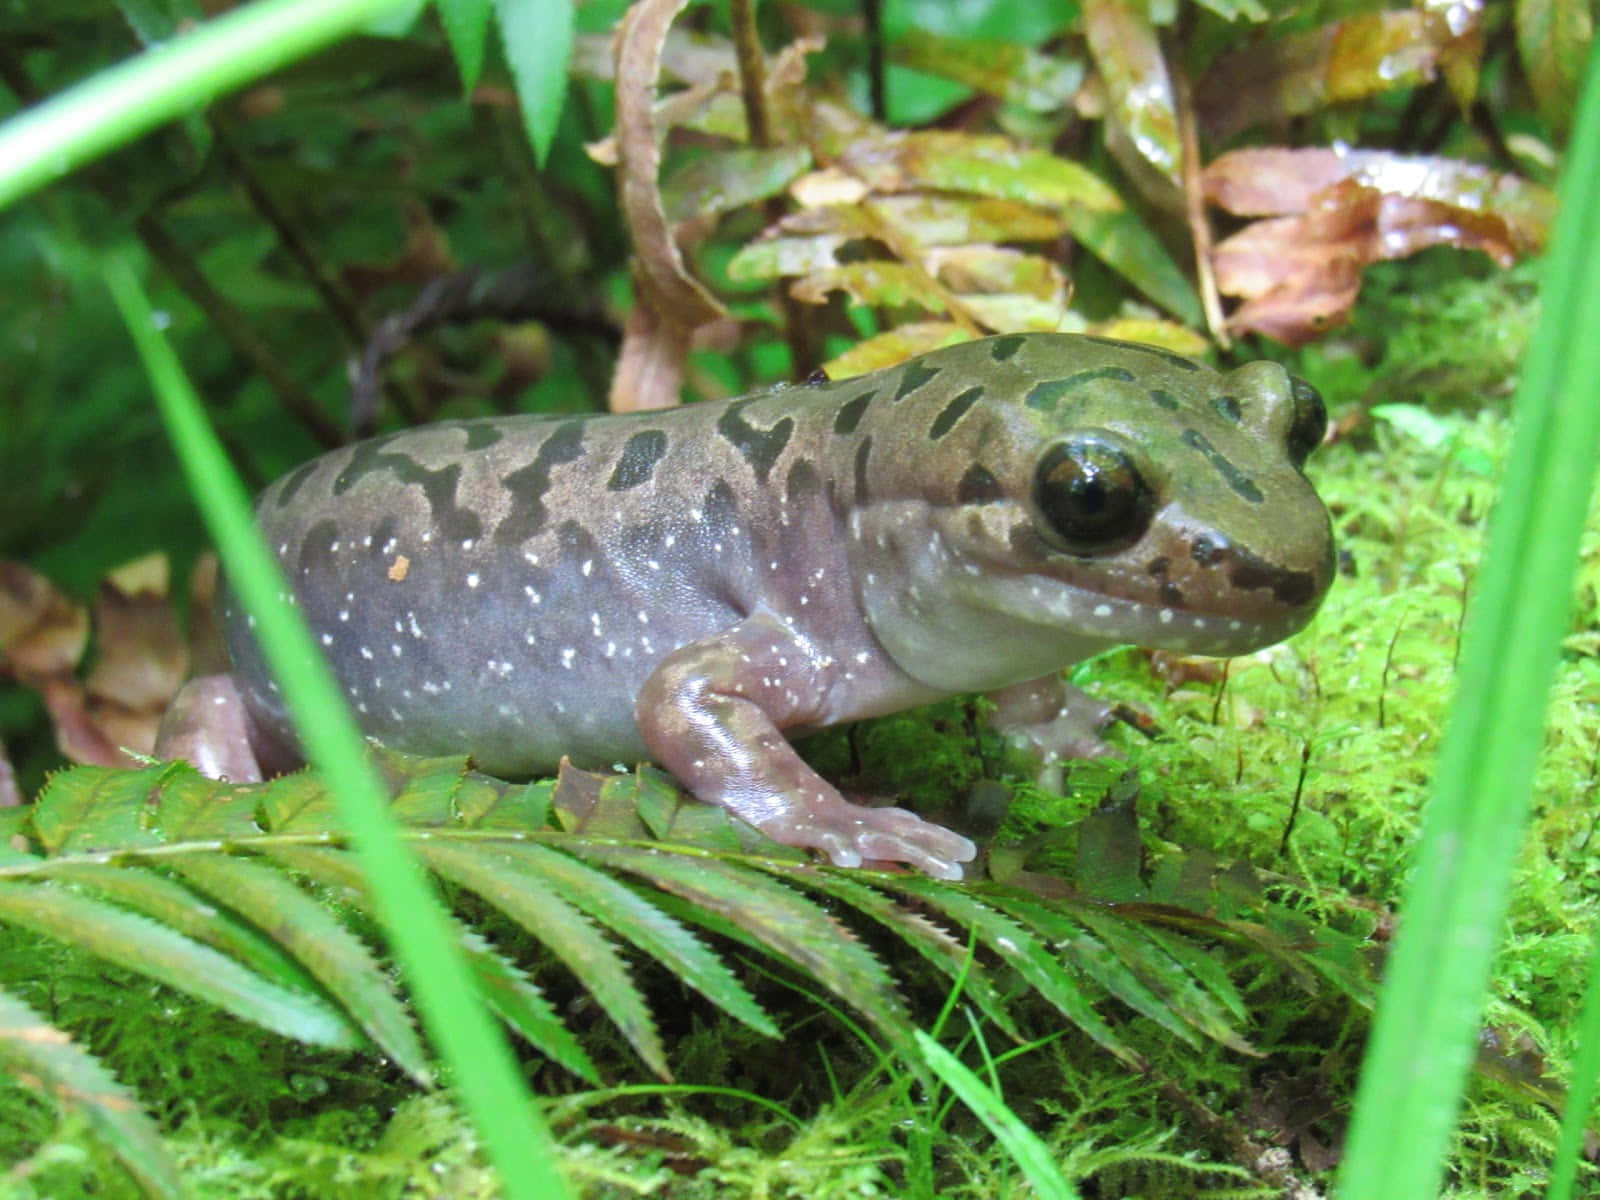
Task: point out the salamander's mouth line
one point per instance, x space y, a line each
1116 620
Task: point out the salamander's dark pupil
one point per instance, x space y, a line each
1310 420
1091 496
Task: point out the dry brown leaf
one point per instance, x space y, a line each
669 303
140 657
42 633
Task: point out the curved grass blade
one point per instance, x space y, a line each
1032 1156
143 946
530 901
70 1077
335 957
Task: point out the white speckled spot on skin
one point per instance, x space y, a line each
567 655
1165 616
472 580
327 639
1102 610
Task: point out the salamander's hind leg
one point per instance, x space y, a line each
711 713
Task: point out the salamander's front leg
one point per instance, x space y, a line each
711 714
1052 720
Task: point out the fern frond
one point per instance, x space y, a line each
45 1057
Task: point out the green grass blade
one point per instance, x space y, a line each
1032 1156
1424 1035
492 1092
114 106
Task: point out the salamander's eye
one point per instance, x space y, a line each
1310 420
1092 497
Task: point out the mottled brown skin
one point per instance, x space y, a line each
686 585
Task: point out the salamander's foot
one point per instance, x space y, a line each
850 834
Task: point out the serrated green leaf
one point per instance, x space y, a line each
647 927
1206 969
774 919
178 908
537 35
335 957
926 937
70 1077
298 803
519 806
530 900
521 1005
88 809
426 793
147 948
466 27
186 806
1022 951
1092 954
516 999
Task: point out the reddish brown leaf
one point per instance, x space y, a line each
1300 273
